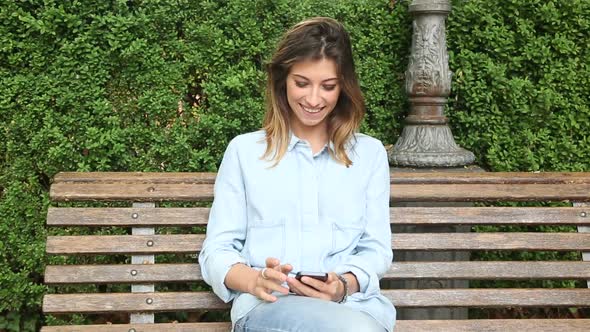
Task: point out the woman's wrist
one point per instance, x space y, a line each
352 282
344 292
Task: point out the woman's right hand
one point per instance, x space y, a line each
270 279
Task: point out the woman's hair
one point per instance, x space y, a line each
313 39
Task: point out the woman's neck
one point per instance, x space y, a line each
316 137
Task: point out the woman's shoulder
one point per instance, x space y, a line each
248 140
367 143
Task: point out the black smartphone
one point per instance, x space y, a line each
321 276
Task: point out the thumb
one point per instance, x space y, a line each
332 277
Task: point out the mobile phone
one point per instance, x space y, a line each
321 276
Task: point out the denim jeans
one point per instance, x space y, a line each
305 314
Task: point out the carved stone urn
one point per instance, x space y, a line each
426 139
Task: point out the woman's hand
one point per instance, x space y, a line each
331 290
270 279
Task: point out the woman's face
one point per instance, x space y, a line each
313 89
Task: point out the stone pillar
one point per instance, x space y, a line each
426 140
427 144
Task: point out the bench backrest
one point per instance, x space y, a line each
151 230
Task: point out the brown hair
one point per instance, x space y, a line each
314 39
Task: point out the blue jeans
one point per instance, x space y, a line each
305 314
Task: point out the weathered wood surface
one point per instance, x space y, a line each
488 298
168 327
405 187
76 191
192 243
396 177
427 187
135 217
407 298
142 273
476 270
487 325
127 217
120 244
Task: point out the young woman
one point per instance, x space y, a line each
306 193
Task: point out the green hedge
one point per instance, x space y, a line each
163 86
521 99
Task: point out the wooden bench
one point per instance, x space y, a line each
150 234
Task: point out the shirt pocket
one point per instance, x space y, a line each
265 240
346 235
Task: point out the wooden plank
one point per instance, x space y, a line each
137 192
125 244
74 191
127 217
490 215
128 302
163 327
489 298
191 243
139 273
135 177
488 270
488 325
437 177
398 215
493 325
491 241
122 273
489 192
407 298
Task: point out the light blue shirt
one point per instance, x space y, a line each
308 211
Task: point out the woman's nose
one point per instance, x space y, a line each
314 99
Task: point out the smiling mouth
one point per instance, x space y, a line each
311 110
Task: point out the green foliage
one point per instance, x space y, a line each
146 86
163 86
522 69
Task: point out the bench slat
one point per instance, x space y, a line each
192 243
489 192
489 298
166 327
483 270
399 215
122 273
138 177
125 244
136 192
410 298
396 177
488 325
74 191
490 215
127 217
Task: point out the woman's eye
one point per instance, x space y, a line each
329 87
300 84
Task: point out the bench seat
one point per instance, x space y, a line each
146 230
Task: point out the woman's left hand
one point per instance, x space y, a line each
331 290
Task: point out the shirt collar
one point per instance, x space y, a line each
294 140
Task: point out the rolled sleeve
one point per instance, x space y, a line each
226 229
373 255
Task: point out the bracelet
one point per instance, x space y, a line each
345 283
